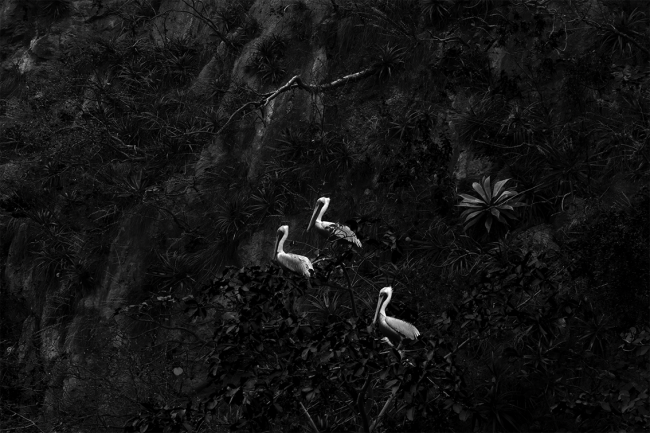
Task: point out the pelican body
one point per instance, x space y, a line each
329 229
393 329
293 262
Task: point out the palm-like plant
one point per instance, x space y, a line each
493 203
54 8
232 217
435 10
621 34
568 167
267 62
390 59
324 307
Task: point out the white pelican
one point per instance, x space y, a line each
393 329
330 229
294 262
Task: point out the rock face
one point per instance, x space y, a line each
57 323
66 348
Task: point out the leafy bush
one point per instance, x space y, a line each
269 361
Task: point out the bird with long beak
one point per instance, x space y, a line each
293 262
393 329
329 229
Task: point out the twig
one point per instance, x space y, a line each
26 419
311 421
458 348
381 414
361 397
354 304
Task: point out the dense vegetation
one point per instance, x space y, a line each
527 273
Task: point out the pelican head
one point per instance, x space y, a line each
283 229
384 298
320 203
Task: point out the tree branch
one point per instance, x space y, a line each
354 304
296 82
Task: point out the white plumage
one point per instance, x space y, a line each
293 262
329 229
393 329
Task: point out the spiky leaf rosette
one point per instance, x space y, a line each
493 203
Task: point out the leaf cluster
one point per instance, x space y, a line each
267 61
494 204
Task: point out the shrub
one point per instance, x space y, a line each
390 60
617 36
494 204
268 59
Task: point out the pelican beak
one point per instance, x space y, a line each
313 216
379 302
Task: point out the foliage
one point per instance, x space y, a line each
511 340
435 11
569 168
269 359
231 218
231 16
494 203
417 148
267 60
55 9
537 201
390 59
612 254
626 28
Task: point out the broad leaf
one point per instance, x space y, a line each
488 223
479 188
487 188
498 186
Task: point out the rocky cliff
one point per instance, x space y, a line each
148 143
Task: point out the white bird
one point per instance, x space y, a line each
393 329
329 229
294 262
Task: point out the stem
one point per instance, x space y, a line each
354 305
381 414
311 421
361 397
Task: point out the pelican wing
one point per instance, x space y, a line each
404 329
296 263
341 231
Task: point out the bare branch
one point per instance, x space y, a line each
296 82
